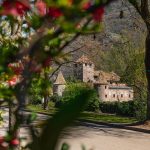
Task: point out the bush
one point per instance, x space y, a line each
57 100
108 107
93 103
119 108
136 108
35 94
140 109
126 109
51 104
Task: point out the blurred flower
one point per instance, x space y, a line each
13 80
35 67
54 12
15 8
14 142
86 5
98 14
41 7
17 68
1 140
47 62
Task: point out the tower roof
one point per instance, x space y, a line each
84 59
60 79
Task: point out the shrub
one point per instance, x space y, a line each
57 100
74 89
35 94
136 108
108 107
51 104
140 109
126 108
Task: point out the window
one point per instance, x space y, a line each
129 95
114 95
95 77
105 87
121 95
105 96
85 64
76 65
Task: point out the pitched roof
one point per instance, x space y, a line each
60 79
105 76
84 59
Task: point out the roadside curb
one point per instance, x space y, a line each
113 125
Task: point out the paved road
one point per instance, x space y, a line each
99 137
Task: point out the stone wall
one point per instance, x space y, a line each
59 89
88 72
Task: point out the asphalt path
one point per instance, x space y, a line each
93 136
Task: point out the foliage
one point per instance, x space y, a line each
136 108
143 9
57 100
93 104
141 107
35 92
128 62
34 34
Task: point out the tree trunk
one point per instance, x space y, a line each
10 116
45 102
147 67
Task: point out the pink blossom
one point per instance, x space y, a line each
41 7
15 8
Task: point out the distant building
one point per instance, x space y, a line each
106 84
59 84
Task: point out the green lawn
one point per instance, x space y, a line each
107 118
38 108
101 117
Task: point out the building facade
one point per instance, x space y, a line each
59 85
107 85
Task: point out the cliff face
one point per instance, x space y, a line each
122 24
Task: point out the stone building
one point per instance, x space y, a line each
59 84
84 69
106 84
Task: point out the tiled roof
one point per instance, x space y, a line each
84 59
60 79
104 77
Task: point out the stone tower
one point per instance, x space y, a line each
59 84
84 70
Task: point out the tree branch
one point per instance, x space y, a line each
136 5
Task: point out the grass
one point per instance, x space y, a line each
107 118
99 117
38 108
